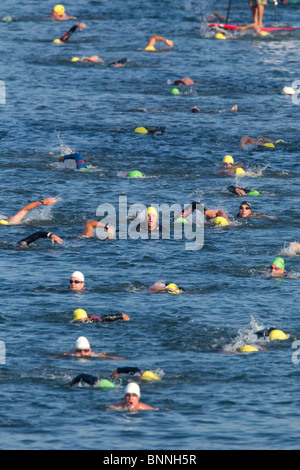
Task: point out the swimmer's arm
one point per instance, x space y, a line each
19 215
88 230
114 317
210 214
126 370
107 356
157 288
35 236
259 215
155 38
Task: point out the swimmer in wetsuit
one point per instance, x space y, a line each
136 372
35 236
74 156
95 382
69 33
80 316
152 41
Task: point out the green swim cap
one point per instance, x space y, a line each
279 262
253 193
135 174
175 91
104 383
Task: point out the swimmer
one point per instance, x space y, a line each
95 382
58 13
96 59
16 219
77 281
74 156
25 242
150 223
194 109
294 247
271 333
245 211
184 81
243 191
83 349
154 130
132 399
69 33
262 141
152 41
208 213
136 372
228 166
90 225
162 286
80 316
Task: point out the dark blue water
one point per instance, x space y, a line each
206 399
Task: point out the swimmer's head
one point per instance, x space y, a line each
131 388
82 343
247 349
57 41
245 209
239 171
173 289
264 33
75 59
152 210
135 174
140 130
220 221
227 160
175 91
59 9
269 144
79 314
277 267
277 334
4 222
220 36
149 375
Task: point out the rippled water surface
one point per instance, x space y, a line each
209 397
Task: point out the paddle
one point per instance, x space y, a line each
228 10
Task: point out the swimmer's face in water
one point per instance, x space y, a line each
76 284
276 270
152 221
131 400
244 210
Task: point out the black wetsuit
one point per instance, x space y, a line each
33 237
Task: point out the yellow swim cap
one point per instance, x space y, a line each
149 375
220 36
277 334
269 144
150 48
75 59
152 210
278 141
59 9
228 159
174 287
264 33
79 314
247 348
239 171
220 221
57 41
4 222
140 130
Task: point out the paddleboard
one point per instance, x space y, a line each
266 28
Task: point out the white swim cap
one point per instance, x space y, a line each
132 387
78 275
82 343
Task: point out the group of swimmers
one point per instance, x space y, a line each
77 280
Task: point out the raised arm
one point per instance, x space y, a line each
15 219
88 230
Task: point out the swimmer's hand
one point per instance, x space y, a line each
80 26
56 239
110 232
49 201
61 159
240 192
169 43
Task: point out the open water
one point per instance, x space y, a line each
206 399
